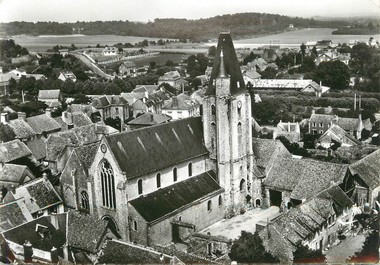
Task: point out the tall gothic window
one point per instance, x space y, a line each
213 110
175 175
108 185
240 137
140 186
84 201
190 169
158 180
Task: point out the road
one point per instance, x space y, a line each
92 66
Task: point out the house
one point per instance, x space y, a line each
250 76
114 107
44 124
15 152
128 68
323 44
290 130
20 127
302 85
172 78
39 196
110 51
53 98
13 214
65 75
316 223
320 123
181 106
335 134
290 181
365 180
148 119
69 120
13 176
70 236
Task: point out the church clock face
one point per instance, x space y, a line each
103 147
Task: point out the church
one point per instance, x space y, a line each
160 184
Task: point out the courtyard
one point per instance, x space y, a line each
231 228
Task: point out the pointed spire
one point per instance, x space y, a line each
222 69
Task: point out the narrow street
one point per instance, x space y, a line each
346 249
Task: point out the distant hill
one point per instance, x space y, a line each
240 25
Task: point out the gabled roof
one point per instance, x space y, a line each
349 124
267 150
166 200
336 133
86 154
180 102
38 195
230 65
85 231
322 118
156 147
43 123
13 214
149 119
38 148
12 150
368 169
49 94
304 177
21 129
252 74
12 174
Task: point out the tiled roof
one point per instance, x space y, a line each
301 222
86 154
304 177
348 124
266 150
150 119
85 231
43 123
13 214
13 150
152 148
231 66
21 129
336 133
322 118
38 148
49 94
57 142
80 119
100 102
180 102
38 194
12 174
368 168
166 200
252 74
117 252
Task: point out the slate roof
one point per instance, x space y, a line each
166 200
150 119
49 94
252 74
12 174
13 214
117 252
85 231
180 102
336 133
27 231
38 195
21 129
368 169
12 150
152 148
86 154
304 177
43 123
322 118
231 66
348 124
38 148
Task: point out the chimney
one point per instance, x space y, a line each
21 116
54 220
4 118
48 112
28 252
54 255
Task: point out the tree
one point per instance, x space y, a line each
249 248
334 74
303 49
196 83
303 254
212 51
269 73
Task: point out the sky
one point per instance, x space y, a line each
148 10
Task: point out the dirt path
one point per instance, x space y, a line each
345 250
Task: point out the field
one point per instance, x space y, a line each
161 59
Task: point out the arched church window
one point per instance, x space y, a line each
175 176
85 201
158 180
69 198
220 200
190 169
209 206
213 110
140 186
242 185
108 184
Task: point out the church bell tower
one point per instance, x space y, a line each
227 127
